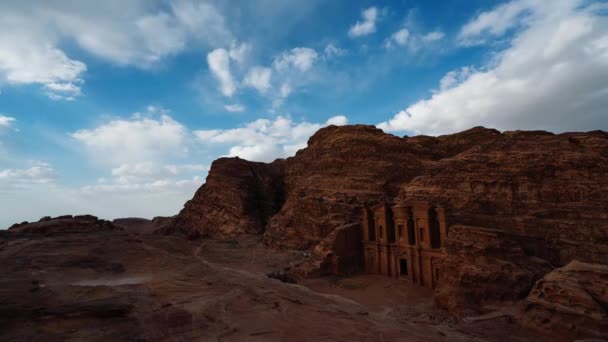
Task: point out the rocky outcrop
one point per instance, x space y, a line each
517 204
337 254
541 196
342 169
570 302
486 266
238 197
64 225
138 225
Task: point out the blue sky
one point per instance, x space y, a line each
118 108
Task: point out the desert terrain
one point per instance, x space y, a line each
95 281
362 236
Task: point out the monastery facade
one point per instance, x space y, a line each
405 241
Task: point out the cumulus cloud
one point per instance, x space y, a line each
219 64
553 76
367 26
265 139
32 36
39 173
28 59
219 61
258 78
301 58
235 108
289 70
338 120
146 177
137 139
398 38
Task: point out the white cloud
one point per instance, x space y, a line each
235 108
26 59
399 38
239 52
495 22
454 77
219 64
265 139
135 33
138 139
138 174
331 51
553 76
413 40
301 58
367 26
6 121
219 61
40 173
433 36
258 78
339 120
203 21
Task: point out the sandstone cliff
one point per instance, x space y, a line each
238 197
518 204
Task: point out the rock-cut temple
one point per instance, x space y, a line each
405 241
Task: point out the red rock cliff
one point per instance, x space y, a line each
521 203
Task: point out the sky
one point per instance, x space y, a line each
118 108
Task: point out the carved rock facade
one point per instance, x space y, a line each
405 241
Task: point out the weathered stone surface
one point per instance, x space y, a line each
570 302
238 197
486 266
342 169
517 204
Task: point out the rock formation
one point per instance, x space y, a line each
64 225
571 301
518 204
238 197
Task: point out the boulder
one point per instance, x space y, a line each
570 302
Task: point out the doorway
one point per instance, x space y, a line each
403 267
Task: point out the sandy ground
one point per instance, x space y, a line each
116 286
394 299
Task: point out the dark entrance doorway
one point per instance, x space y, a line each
403 267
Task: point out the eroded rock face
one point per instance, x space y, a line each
571 302
518 203
486 266
238 197
342 169
544 195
